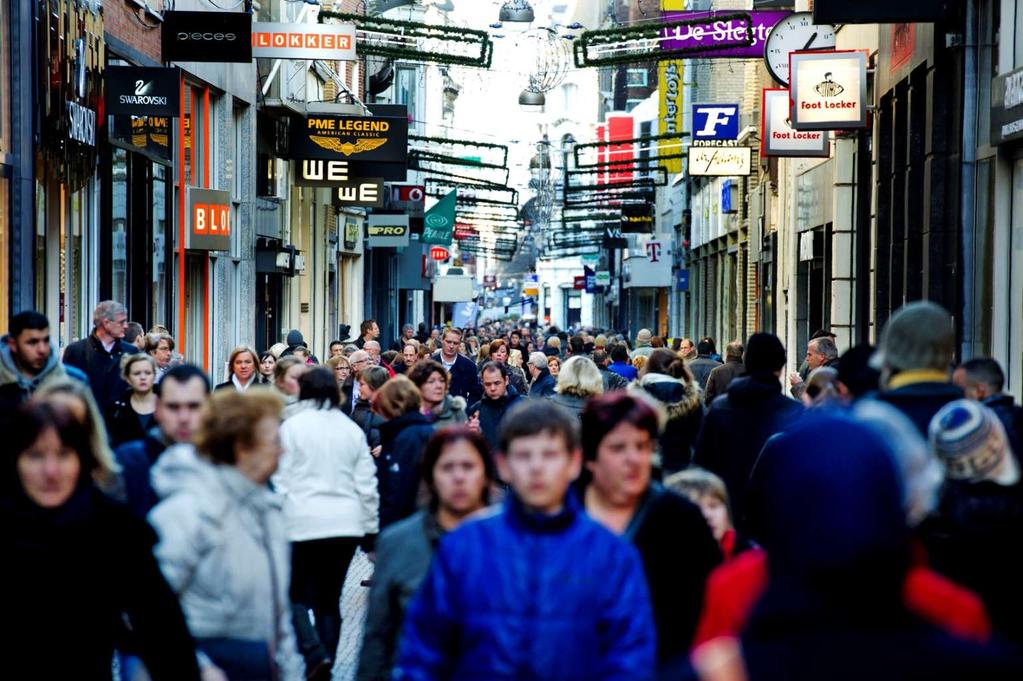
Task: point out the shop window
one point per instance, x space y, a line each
636 78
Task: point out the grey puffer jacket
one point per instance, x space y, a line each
450 412
224 551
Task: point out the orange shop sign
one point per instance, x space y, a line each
209 220
303 41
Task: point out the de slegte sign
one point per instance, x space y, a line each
828 90
781 139
206 36
209 220
711 31
1007 108
143 91
334 42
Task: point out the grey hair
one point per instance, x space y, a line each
107 310
826 346
538 360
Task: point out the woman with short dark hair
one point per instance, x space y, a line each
433 381
619 434
458 472
327 479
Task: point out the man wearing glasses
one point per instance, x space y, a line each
99 355
359 360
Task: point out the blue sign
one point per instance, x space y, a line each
726 196
682 280
715 121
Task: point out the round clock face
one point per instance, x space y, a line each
795 33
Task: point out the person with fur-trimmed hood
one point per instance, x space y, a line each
668 382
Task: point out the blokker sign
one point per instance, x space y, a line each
304 41
828 90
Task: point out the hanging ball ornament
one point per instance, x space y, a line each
545 58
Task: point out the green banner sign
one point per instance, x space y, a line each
439 221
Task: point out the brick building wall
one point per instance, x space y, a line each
122 22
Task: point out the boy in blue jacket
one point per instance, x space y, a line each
536 589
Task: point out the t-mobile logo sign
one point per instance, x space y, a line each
715 121
653 251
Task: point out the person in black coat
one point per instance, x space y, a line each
740 421
619 435
487 414
77 566
100 364
465 382
982 379
403 438
370 380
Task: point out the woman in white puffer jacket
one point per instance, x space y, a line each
223 547
328 482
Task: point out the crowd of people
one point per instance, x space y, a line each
537 504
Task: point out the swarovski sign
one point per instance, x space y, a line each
142 91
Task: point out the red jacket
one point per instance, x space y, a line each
734 588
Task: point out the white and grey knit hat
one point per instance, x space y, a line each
968 438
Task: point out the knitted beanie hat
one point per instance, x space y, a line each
918 336
968 438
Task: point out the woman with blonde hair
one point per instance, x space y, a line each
242 371
286 375
403 436
578 381
131 416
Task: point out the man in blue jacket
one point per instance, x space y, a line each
536 590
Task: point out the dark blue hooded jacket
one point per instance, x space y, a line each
826 501
520 597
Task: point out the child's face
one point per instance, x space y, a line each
540 468
716 514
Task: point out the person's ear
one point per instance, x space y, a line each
576 462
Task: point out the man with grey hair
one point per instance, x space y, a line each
820 352
408 332
543 382
359 360
643 347
373 348
99 355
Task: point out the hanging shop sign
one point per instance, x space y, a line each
147 134
351 234
71 50
439 253
882 11
828 90
649 267
387 231
669 93
613 238
143 91
733 35
357 138
209 220
408 198
439 221
207 36
720 161
360 192
1007 108
715 121
602 278
779 138
638 219
304 41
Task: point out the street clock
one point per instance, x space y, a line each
795 33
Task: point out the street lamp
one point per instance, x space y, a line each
529 98
516 11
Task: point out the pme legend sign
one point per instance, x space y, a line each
357 138
828 90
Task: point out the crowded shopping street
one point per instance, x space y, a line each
511 340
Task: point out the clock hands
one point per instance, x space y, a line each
810 41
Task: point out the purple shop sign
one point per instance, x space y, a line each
706 31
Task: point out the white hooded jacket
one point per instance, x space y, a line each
327 478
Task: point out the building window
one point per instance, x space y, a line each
636 78
631 104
